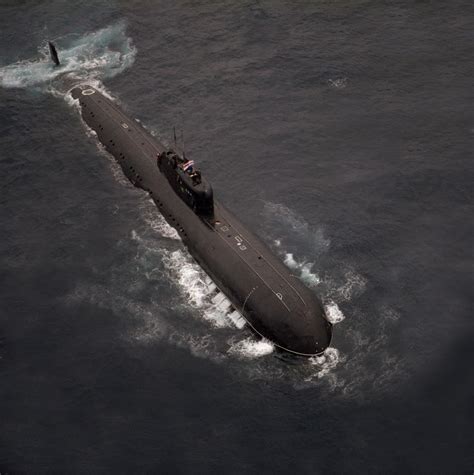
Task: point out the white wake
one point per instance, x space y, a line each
92 57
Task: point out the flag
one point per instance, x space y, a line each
188 164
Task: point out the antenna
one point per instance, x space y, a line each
174 134
182 140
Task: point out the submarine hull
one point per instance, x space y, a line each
274 302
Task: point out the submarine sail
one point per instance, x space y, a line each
187 182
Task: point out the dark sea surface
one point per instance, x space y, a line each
342 133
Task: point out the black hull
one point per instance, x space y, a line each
275 303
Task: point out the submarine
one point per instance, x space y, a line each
262 291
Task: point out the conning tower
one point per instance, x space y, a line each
187 181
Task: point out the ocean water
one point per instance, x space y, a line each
342 133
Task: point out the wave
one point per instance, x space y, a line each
250 348
281 218
92 57
333 312
196 288
194 285
367 365
338 83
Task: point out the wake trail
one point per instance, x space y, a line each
91 58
